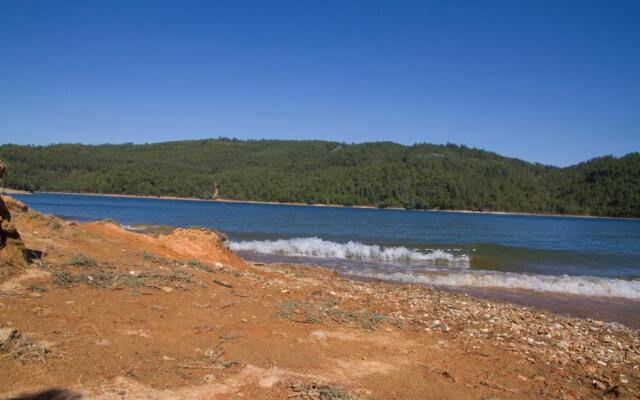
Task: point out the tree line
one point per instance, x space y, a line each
383 174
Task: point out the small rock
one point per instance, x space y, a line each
211 353
320 336
6 334
166 289
598 384
563 344
35 295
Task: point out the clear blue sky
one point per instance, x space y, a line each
550 81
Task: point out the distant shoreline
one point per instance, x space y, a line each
223 200
13 191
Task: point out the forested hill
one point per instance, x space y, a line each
422 176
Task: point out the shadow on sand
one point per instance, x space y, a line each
50 394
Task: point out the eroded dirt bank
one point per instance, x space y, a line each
112 314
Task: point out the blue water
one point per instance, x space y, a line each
411 243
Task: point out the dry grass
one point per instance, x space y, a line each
318 391
199 265
215 357
311 313
365 319
81 260
114 280
23 348
53 223
150 257
37 288
299 311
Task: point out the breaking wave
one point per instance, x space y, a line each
435 267
577 285
316 247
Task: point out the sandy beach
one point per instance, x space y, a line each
13 191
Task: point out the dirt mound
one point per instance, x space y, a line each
200 243
181 244
12 250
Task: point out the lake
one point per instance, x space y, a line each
563 255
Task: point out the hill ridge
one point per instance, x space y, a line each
384 174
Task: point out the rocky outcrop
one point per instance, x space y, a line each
12 251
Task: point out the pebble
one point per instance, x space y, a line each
599 385
6 334
166 289
320 336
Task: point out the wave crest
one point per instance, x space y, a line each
577 285
316 247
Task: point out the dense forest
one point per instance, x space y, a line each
384 174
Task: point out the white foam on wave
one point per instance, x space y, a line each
316 247
577 285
